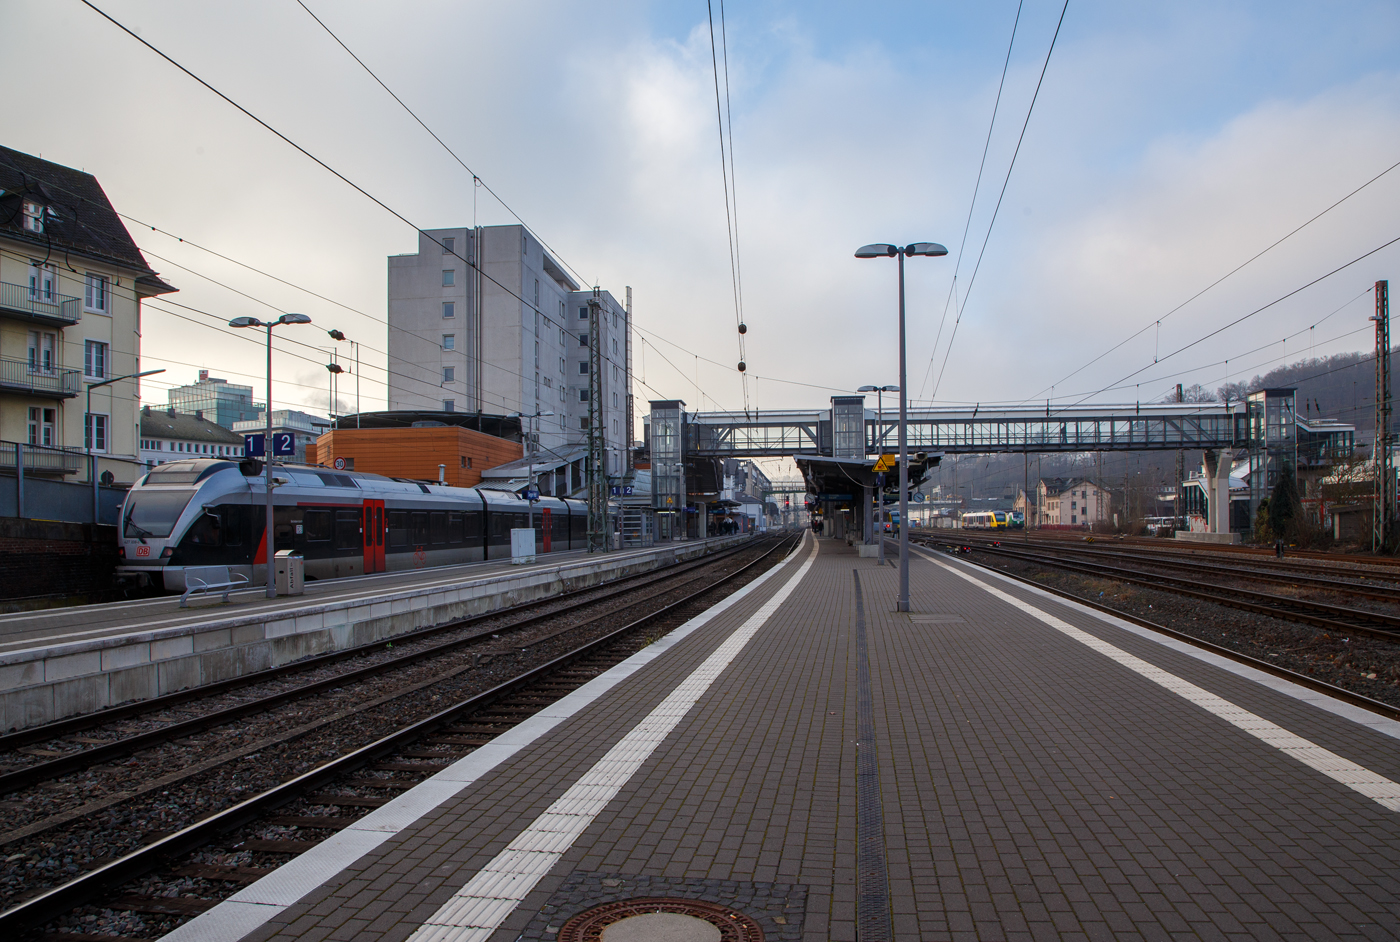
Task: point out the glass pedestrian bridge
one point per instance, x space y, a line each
848 429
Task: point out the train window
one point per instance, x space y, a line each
454 528
317 526
500 527
206 530
522 521
471 527
418 534
437 526
347 529
153 513
398 528
234 525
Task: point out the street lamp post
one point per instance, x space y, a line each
268 537
91 436
879 392
881 250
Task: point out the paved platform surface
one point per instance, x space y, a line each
19 630
1028 770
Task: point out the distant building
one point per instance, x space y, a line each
306 427
167 435
509 338
1073 502
218 400
71 286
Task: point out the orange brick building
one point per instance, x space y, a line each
415 452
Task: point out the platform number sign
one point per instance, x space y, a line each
284 445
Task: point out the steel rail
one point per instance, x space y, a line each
1341 693
1274 606
76 892
1281 576
1342 564
118 748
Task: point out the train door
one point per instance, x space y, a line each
373 529
547 530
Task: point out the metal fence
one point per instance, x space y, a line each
54 307
20 374
40 459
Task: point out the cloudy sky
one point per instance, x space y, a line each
1169 144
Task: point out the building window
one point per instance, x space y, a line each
583 339
583 422
537 303
449 341
583 367
42 424
549 382
94 359
583 395
449 374
449 277
561 366
561 336
561 397
41 281
614 346
43 351
449 245
583 313
33 216
614 400
449 405
95 297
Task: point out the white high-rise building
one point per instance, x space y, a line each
511 337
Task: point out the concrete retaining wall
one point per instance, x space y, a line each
45 683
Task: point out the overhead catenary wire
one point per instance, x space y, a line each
972 281
972 204
1242 265
1244 317
477 181
729 232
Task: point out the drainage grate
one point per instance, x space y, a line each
872 878
588 926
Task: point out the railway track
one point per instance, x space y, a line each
84 752
333 795
1278 575
1318 614
1380 569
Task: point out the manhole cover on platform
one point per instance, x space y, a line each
660 919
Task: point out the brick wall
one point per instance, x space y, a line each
46 559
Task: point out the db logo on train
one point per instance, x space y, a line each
143 550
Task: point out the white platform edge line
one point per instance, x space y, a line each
235 918
471 910
1359 779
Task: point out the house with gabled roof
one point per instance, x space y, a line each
72 283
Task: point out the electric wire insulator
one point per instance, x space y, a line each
743 328
742 367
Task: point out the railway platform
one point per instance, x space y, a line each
804 762
63 662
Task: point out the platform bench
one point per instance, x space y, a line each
210 579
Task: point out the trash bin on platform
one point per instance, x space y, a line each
290 571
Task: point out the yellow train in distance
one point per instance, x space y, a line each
986 520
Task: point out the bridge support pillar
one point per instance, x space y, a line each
1218 464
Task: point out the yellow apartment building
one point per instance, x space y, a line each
71 286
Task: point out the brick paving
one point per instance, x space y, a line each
1031 789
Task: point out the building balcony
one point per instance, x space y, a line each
40 459
19 376
52 310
